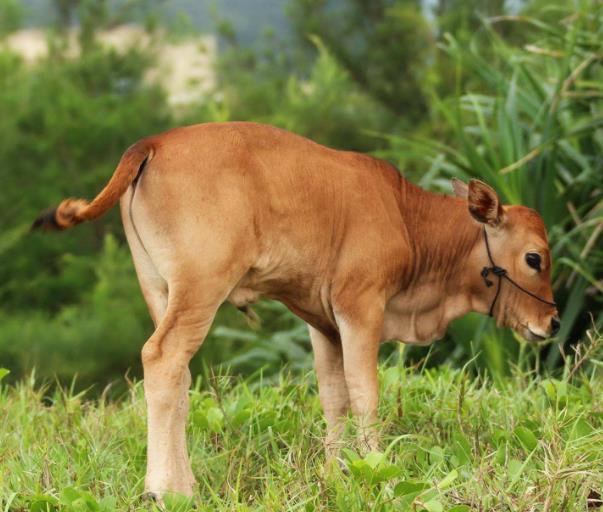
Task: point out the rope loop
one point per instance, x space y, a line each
496 270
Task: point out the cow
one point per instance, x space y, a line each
237 211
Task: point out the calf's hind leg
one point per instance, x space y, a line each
165 358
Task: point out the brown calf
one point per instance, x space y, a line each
239 211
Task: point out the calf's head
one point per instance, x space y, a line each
517 239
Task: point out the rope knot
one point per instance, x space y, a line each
496 270
484 274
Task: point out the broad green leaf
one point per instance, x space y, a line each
433 506
409 487
43 503
501 453
373 459
215 419
386 473
69 495
461 448
448 479
527 438
436 455
361 469
514 469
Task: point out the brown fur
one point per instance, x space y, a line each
239 211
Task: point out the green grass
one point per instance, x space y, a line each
451 442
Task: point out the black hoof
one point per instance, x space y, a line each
343 466
149 496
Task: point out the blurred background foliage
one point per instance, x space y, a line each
510 92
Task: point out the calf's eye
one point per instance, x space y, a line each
533 260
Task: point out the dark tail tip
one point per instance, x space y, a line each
46 221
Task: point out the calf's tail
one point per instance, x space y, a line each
75 211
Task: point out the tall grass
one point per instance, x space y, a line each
528 119
450 442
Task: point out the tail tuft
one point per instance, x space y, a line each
74 211
66 215
46 221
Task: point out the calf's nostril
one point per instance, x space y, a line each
555 326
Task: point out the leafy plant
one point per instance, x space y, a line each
529 121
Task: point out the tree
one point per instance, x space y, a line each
387 46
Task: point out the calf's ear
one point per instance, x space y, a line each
460 188
484 204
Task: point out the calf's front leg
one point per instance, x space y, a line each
332 388
360 338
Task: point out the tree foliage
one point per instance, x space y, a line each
460 88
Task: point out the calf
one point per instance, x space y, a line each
238 211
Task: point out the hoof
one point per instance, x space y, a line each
152 497
149 496
334 463
343 466
170 501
